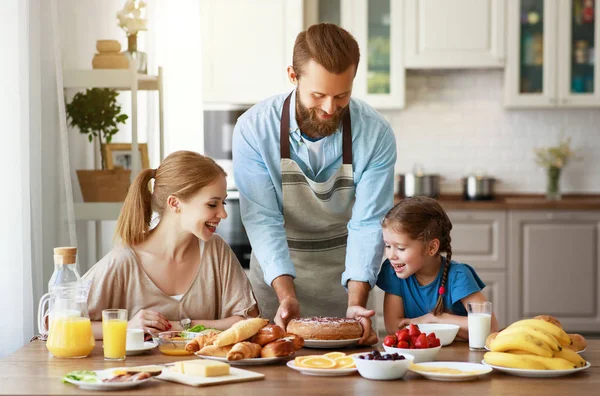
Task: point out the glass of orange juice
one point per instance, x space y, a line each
114 333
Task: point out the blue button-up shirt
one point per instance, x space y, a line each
257 172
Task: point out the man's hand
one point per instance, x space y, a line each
289 308
363 316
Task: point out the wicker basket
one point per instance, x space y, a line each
104 185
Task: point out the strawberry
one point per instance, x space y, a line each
403 345
390 340
400 333
422 342
431 338
413 339
435 343
413 330
404 336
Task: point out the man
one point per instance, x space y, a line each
315 173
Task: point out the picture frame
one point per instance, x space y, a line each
118 155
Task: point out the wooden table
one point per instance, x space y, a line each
32 370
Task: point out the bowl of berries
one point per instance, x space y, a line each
382 366
410 340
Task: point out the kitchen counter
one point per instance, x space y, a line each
522 202
31 370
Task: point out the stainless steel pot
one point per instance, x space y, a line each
478 188
414 184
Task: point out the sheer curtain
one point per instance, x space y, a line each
19 136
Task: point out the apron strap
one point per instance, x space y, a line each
284 133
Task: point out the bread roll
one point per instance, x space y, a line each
549 319
213 350
278 348
268 334
244 350
200 341
325 328
296 340
578 342
489 339
240 331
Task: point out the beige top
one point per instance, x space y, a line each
221 288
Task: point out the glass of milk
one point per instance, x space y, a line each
480 321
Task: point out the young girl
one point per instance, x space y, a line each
420 285
179 270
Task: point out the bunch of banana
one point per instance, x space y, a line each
534 345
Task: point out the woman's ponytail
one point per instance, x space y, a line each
134 220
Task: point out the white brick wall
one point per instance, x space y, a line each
454 123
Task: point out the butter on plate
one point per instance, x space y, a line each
203 368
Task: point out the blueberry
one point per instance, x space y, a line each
376 353
361 357
401 357
369 357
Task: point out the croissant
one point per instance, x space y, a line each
200 341
244 350
268 334
240 331
278 348
296 340
213 350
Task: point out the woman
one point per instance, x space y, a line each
179 269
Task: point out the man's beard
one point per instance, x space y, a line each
314 126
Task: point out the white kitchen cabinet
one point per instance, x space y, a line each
551 57
479 239
554 267
377 27
246 48
454 34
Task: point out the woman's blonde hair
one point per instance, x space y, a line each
182 174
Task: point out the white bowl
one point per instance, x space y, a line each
444 331
383 369
421 355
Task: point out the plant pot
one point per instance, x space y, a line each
104 185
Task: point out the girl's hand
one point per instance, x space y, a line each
427 318
150 321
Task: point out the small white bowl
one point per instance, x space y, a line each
421 355
444 331
383 369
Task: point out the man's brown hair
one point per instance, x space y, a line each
327 44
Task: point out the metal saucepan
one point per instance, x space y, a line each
478 188
419 183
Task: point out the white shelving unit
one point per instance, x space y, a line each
123 80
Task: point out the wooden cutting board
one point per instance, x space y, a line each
235 375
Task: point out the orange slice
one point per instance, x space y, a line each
334 355
344 362
320 362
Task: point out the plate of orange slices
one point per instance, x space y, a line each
332 364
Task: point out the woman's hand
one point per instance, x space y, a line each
150 321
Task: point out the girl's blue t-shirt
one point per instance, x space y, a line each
419 300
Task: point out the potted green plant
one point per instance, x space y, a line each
97 114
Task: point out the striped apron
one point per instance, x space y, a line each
316 216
